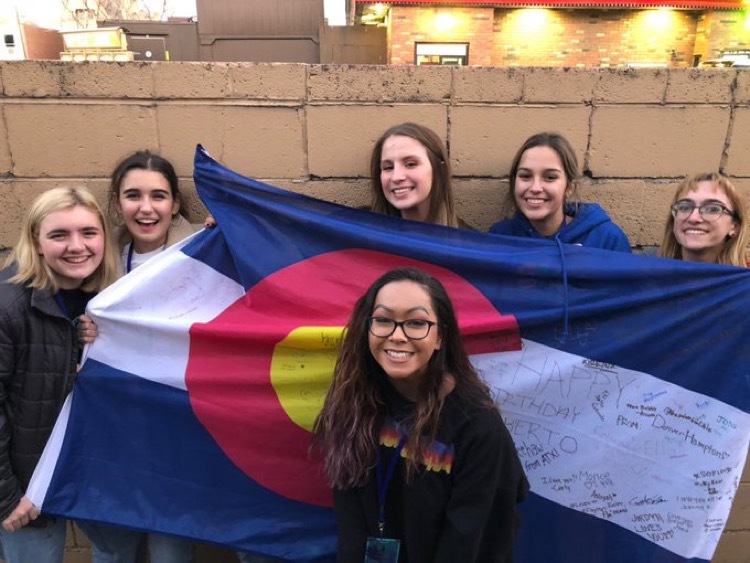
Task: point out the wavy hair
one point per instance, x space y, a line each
442 208
564 150
733 251
346 431
32 269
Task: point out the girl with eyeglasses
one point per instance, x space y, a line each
422 466
707 222
543 182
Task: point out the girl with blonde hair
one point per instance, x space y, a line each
61 260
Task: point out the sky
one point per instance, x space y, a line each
46 13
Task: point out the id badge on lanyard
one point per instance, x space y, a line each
380 549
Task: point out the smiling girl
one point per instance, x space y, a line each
543 180
422 466
707 222
145 199
61 260
411 177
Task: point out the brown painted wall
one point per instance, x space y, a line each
310 128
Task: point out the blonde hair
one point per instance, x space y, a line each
733 251
32 270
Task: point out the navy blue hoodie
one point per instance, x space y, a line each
590 226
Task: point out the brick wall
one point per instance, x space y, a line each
591 38
412 25
311 129
571 37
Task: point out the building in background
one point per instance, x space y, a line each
569 33
21 40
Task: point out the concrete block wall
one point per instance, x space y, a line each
310 128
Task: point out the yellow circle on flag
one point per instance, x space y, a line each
301 370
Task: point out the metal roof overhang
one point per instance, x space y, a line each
679 4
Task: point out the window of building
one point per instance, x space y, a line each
9 40
441 54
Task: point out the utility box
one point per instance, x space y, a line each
102 44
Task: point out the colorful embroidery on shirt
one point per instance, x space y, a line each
438 456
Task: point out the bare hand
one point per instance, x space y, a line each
87 330
24 513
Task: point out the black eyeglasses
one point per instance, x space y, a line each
709 211
414 329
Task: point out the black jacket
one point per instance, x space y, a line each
460 509
38 361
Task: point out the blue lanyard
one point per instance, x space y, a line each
61 303
129 265
384 484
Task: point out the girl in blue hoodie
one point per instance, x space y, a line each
543 178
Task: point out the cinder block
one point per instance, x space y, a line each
6 162
32 79
699 86
254 141
74 140
732 548
403 83
742 91
108 80
481 202
624 203
10 226
351 193
487 84
340 138
739 517
656 141
631 86
738 161
559 85
274 81
190 80
484 140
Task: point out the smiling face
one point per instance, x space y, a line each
71 242
540 188
147 206
406 176
702 240
404 360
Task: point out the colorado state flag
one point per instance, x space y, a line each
624 381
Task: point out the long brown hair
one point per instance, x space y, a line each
442 209
733 251
346 431
564 150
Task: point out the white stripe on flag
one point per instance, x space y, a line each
628 447
144 319
43 471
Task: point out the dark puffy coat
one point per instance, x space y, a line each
38 357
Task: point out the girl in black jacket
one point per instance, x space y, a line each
422 466
60 261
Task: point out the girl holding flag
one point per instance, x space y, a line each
411 177
145 200
543 180
60 261
422 466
